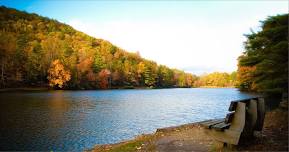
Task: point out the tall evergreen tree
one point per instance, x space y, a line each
267 56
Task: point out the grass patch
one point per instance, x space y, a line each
127 147
140 143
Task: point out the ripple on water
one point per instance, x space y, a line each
76 120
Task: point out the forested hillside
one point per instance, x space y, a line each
263 67
38 51
216 79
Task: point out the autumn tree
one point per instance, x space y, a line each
150 74
245 78
7 49
140 73
165 76
98 63
57 75
51 49
103 77
34 69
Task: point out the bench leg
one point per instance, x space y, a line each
217 146
230 146
220 146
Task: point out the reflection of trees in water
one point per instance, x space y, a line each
35 119
66 109
57 106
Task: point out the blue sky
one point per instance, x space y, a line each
196 36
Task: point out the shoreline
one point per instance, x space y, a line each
115 88
191 137
24 89
216 87
145 142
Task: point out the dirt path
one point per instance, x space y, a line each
187 138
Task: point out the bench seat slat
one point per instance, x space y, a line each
205 121
213 121
221 126
208 124
209 121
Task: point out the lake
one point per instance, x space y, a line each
77 120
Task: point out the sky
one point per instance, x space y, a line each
195 36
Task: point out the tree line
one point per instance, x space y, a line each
36 51
263 67
216 79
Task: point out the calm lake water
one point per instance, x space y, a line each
77 120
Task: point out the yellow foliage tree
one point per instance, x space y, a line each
57 75
140 69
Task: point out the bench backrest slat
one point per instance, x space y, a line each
246 100
229 117
233 106
238 121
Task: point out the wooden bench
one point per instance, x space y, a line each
244 117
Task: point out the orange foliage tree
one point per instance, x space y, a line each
103 76
244 77
57 75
